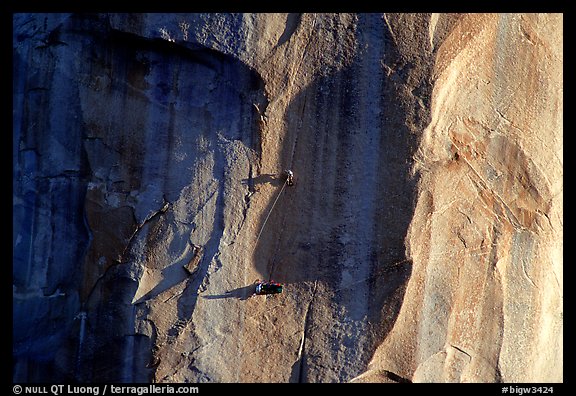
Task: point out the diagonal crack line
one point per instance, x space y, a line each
396 377
246 208
385 17
522 263
121 260
301 357
481 184
139 227
463 351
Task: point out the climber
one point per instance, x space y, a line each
263 288
289 177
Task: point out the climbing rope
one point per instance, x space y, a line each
271 209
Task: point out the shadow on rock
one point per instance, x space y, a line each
241 293
351 137
275 179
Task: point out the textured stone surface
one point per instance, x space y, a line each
484 302
421 242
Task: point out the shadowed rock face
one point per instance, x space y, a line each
421 242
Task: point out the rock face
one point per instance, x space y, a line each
421 242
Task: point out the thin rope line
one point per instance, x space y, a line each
271 209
